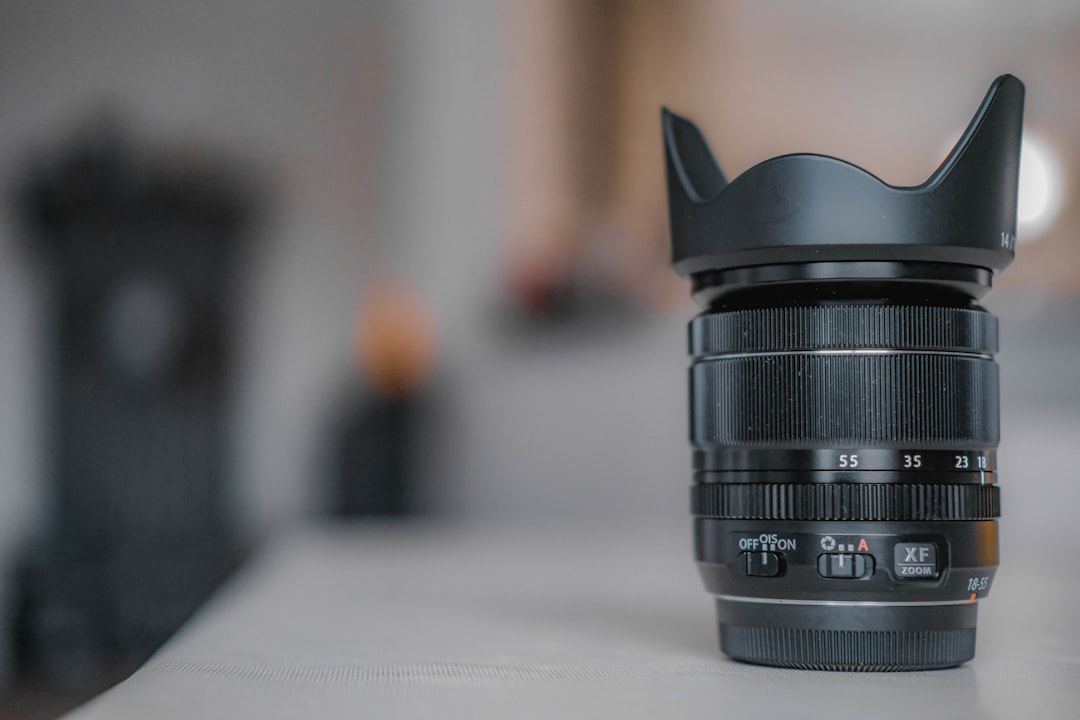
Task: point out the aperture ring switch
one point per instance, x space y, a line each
846 566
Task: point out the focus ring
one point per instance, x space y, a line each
813 400
847 326
843 501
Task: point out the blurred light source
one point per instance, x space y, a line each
1041 185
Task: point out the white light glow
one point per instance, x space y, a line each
1041 188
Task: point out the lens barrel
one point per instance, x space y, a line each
844 412
829 441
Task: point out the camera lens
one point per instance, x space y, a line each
844 395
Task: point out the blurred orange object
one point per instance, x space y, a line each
397 338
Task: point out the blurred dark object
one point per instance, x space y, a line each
380 427
376 453
142 247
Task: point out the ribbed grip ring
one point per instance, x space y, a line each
843 501
849 650
808 400
846 326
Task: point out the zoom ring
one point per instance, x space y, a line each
843 501
811 400
848 326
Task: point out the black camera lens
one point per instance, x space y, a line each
844 395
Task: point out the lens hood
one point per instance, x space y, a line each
809 217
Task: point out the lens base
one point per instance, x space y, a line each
848 650
850 637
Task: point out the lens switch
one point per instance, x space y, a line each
845 565
761 564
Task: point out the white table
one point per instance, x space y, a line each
418 620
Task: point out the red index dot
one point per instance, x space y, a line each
973 595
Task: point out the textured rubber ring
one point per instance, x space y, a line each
845 501
849 650
811 400
846 326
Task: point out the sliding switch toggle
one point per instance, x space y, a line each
761 564
846 566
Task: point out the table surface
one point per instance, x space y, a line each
415 620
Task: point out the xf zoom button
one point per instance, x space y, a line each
760 564
847 566
915 561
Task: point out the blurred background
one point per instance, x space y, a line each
262 263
